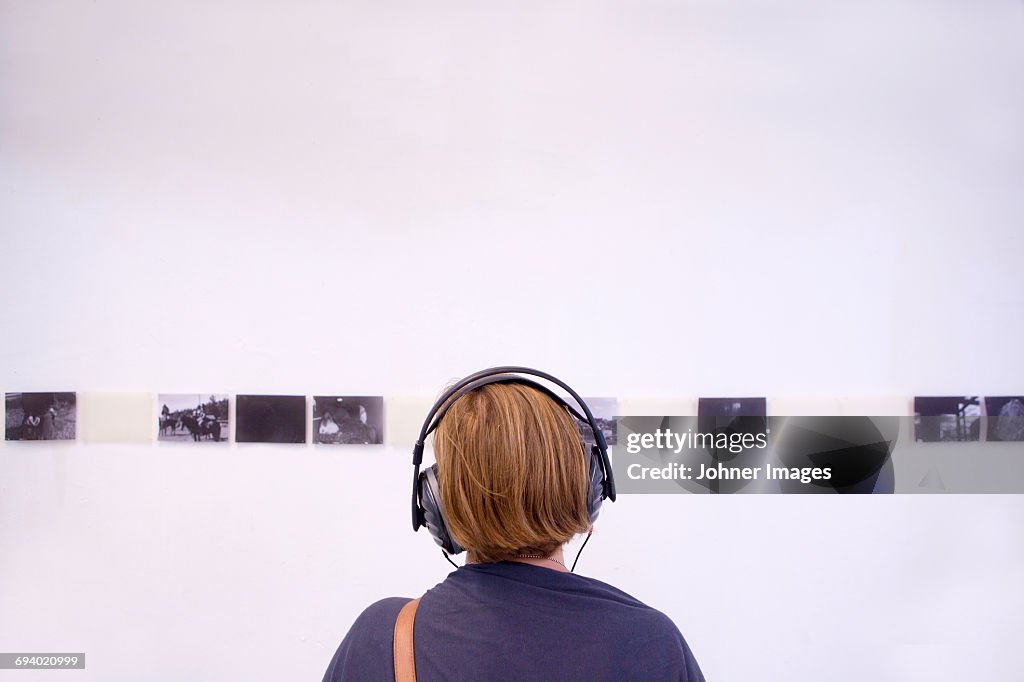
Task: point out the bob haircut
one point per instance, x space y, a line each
512 472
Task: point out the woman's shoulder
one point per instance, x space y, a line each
365 652
383 607
650 636
629 608
379 617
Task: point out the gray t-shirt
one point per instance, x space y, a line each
515 621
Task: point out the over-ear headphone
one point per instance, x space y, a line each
426 499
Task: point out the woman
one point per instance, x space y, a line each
513 480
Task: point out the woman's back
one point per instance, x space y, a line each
512 483
516 621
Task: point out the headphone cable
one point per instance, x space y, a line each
589 533
571 570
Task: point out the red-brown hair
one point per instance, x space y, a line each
512 472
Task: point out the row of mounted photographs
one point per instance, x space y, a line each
199 418
346 420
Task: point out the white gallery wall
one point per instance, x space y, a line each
652 200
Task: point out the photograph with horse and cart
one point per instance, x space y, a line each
193 418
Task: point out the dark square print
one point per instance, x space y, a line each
732 415
270 419
732 407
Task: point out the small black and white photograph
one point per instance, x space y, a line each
1005 418
348 420
732 407
40 416
949 419
604 410
270 419
193 418
734 415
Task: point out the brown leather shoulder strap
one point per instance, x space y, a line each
405 658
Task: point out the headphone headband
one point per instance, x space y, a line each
506 374
496 379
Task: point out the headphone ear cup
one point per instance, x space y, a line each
433 516
596 493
